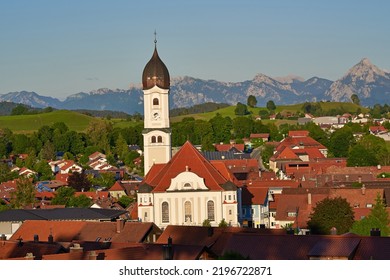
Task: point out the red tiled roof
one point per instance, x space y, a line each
298 133
377 129
227 147
67 231
286 153
117 187
94 195
187 156
259 135
254 195
300 141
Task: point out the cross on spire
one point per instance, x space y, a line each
155 37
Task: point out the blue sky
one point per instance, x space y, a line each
58 48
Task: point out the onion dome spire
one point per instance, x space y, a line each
155 72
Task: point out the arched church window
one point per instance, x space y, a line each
165 212
156 102
159 139
187 212
210 210
153 139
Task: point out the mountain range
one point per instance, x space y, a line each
371 84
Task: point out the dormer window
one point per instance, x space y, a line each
187 186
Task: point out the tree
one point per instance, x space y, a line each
105 180
241 109
360 156
47 152
329 213
264 114
378 218
62 196
98 132
223 223
242 127
80 201
19 110
221 127
121 148
206 223
340 141
271 105
44 170
20 143
79 181
377 147
6 174
251 101
355 99
125 201
24 194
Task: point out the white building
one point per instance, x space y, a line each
185 189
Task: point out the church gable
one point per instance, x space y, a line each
187 181
185 160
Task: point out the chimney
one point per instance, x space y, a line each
168 250
363 190
36 238
375 232
50 238
76 248
92 255
29 256
3 237
309 198
120 223
333 231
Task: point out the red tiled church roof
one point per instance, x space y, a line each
187 157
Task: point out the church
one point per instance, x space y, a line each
185 189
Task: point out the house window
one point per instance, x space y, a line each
159 139
187 186
244 211
187 212
230 212
292 214
165 212
210 210
153 139
252 211
155 102
230 197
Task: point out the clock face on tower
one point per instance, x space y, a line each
156 115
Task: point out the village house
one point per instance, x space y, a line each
65 167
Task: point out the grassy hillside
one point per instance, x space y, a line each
79 122
229 111
29 123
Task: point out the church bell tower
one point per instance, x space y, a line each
157 131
